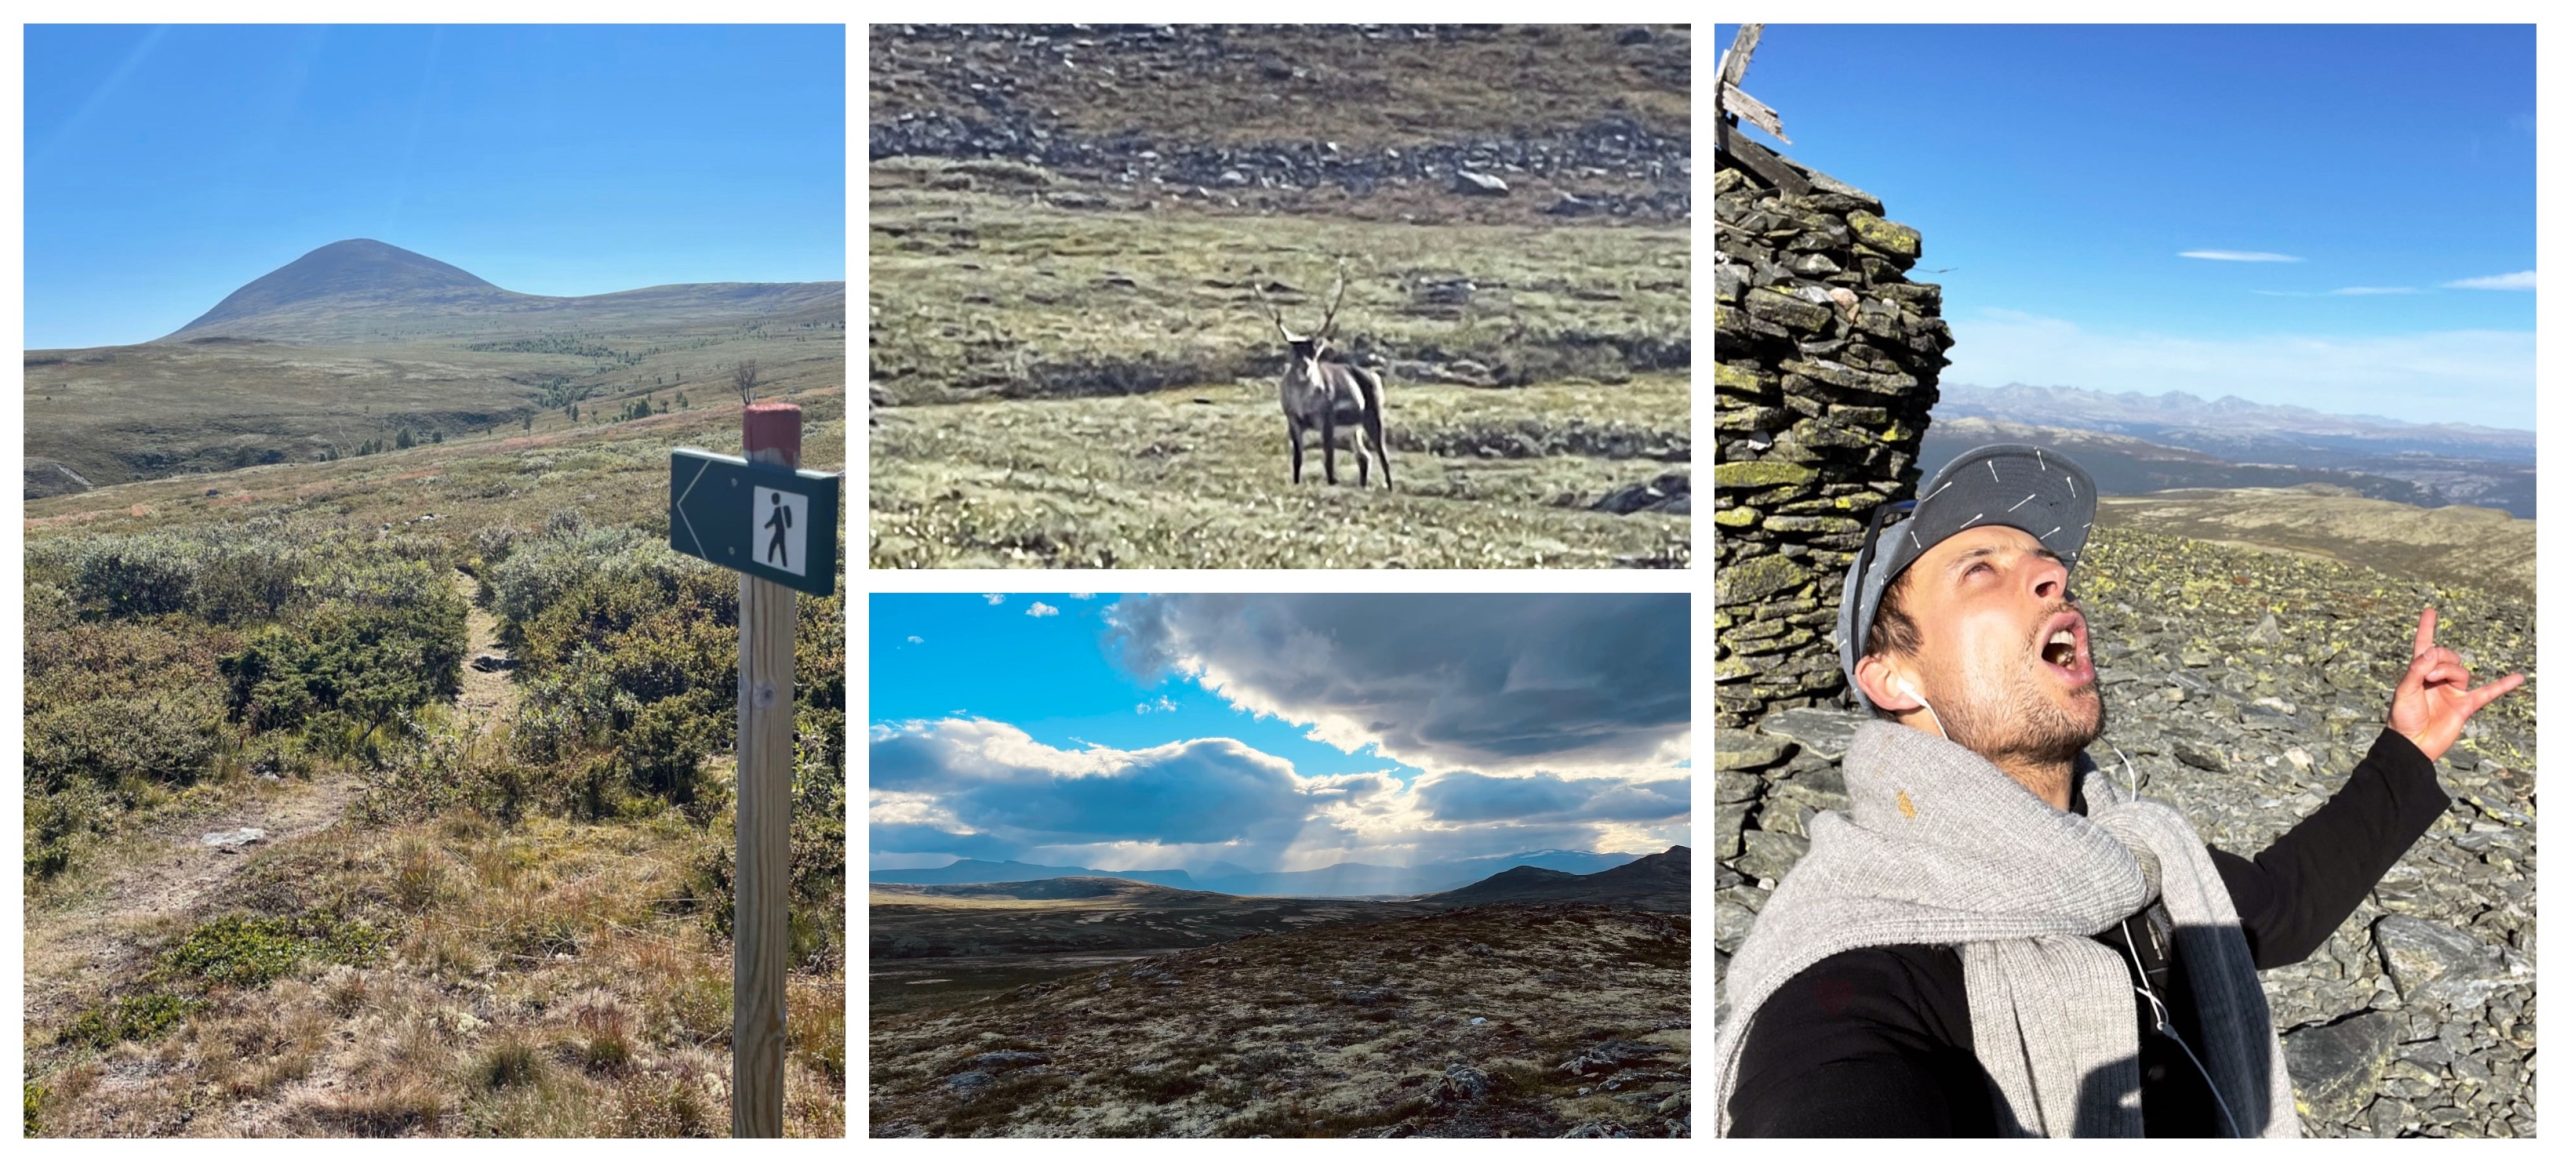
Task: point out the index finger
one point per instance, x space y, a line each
2426 631
2494 690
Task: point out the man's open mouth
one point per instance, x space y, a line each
2064 646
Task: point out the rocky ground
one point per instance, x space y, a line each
2243 686
1201 114
1503 1021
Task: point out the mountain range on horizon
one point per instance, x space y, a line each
2085 407
361 288
1342 879
2136 444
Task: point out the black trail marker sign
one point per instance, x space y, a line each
776 526
760 519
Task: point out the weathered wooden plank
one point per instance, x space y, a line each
1751 156
1737 56
1749 108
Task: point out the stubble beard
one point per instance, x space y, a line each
2023 723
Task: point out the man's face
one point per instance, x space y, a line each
2004 654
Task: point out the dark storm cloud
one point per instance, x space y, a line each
1503 682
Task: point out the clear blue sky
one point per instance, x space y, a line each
166 166
1274 731
2067 174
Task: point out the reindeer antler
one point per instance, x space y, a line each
1272 307
1341 279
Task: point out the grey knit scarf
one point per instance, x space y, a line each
1939 847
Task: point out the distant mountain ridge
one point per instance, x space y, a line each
1343 879
1006 871
2135 444
1656 883
2226 417
362 288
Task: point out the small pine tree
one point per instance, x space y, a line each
405 440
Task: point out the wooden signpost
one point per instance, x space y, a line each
776 526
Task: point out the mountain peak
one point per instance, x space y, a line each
354 270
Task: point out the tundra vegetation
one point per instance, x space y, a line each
1069 365
483 719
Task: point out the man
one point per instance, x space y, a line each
1996 940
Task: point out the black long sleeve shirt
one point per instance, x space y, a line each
1878 1042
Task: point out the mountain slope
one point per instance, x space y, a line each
363 290
1656 883
354 271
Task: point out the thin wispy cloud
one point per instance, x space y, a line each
994 598
913 640
1081 596
2238 256
2410 377
2348 291
2521 280
1162 705
1041 609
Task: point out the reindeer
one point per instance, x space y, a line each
1321 390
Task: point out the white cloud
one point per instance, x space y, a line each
2521 280
2475 376
1162 705
2237 256
1041 609
993 598
1081 596
913 640
988 790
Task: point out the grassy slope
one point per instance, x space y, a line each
984 289
2459 545
539 978
119 414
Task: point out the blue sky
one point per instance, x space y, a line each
2286 214
1274 732
166 166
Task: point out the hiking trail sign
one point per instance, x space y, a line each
763 520
776 527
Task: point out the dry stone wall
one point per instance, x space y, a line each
1827 362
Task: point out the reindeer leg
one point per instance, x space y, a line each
1329 477
1378 440
1360 453
1297 455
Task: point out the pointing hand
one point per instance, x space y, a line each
2435 698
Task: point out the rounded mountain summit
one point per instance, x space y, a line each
362 289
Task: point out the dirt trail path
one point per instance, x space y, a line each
488 676
91 936
85 941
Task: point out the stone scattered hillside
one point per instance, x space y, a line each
1519 1021
2243 686
1431 123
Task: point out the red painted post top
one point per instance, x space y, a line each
774 427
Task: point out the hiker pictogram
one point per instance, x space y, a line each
786 535
778 551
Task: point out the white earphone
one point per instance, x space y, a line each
1903 685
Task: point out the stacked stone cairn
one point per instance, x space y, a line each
1827 363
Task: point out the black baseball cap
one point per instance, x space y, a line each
2020 486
